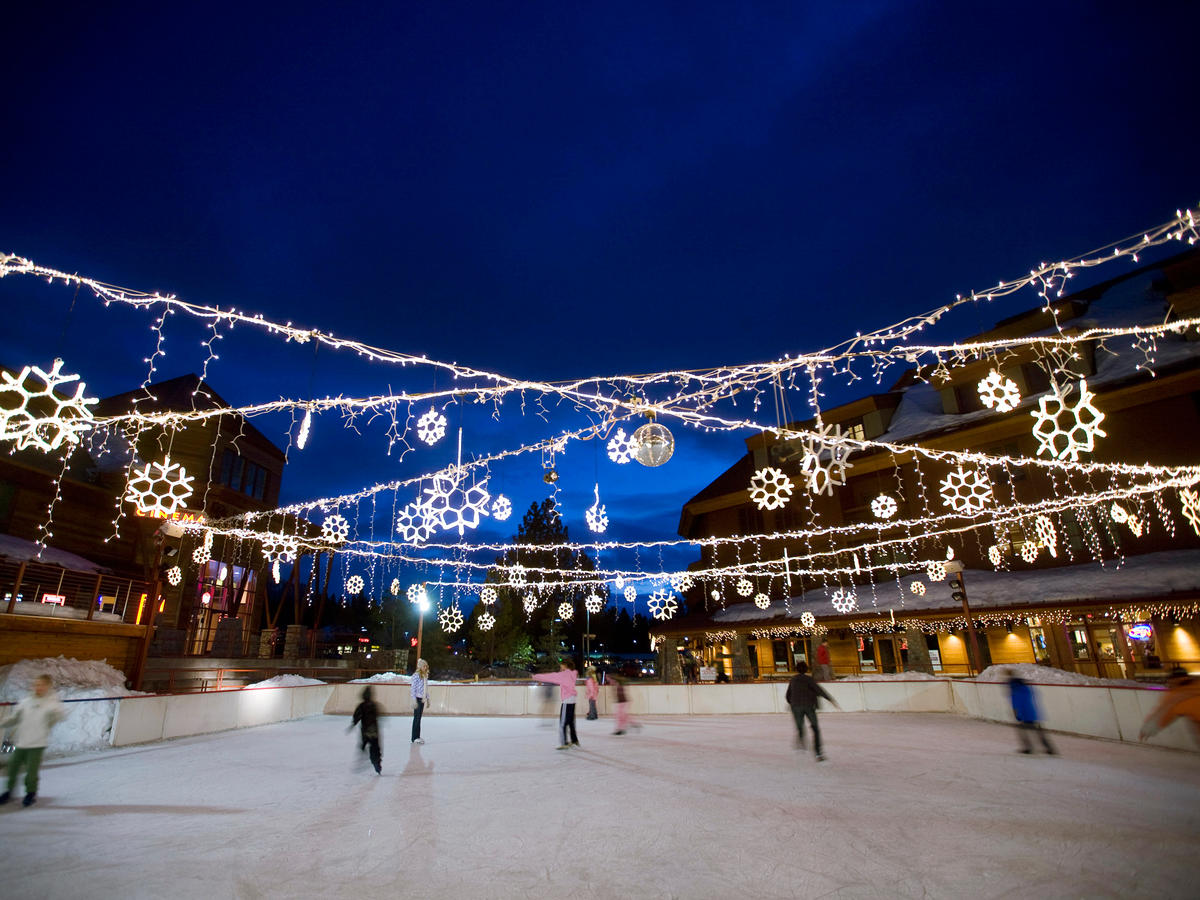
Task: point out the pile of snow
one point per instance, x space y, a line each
284 681
893 676
88 725
32 608
384 678
1036 674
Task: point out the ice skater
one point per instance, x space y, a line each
31 722
591 689
803 695
1025 710
366 716
1182 699
420 696
565 678
621 704
823 671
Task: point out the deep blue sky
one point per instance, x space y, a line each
557 189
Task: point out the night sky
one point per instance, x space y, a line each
551 190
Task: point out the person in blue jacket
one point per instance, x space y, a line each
1026 712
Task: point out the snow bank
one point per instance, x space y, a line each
284 681
894 676
87 726
384 678
1047 675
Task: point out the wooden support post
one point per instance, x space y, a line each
95 597
12 601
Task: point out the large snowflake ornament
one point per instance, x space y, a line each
530 603
40 417
770 488
597 518
415 593
451 619
488 595
744 587
1189 501
453 505
621 447
995 555
844 601
335 528
1046 534
501 508
1029 551
278 548
935 571
999 393
630 593
486 621
966 491
159 489
517 576
566 611
825 459
174 576
412 525
884 506
431 427
594 603
355 584
1065 429
201 555
662 605
807 619
918 588
762 601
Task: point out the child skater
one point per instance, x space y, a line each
621 705
420 695
366 716
565 678
803 695
591 689
33 717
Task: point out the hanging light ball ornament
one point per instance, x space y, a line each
565 611
808 620
174 576
762 601
550 476
655 444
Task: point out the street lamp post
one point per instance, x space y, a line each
422 604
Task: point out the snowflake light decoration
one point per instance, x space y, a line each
807 619
966 491
995 555
1029 551
488 595
1189 502
594 603
201 555
597 518
517 575
159 489
278 548
355 584
621 447
450 618
918 588
715 594
770 488
762 601
335 528
174 576
452 505
486 621
530 603
999 393
662 605
685 583
744 587
844 601
884 506
619 582
1064 429
935 571
42 419
431 427
1122 516
415 593
825 459
394 587
630 593
1044 528
566 611
501 508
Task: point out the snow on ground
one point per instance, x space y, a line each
87 725
1048 675
284 681
892 676
384 678
909 805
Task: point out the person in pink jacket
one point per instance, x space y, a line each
591 689
565 678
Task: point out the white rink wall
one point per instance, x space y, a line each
1114 713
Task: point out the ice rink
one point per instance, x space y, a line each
908 805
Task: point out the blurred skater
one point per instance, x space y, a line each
1025 709
565 678
621 704
1182 699
803 695
420 696
823 671
366 716
31 721
591 689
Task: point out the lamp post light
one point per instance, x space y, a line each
422 603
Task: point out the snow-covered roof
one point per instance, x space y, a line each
21 550
1149 575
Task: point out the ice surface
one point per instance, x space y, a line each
909 805
86 725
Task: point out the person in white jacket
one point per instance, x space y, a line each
31 722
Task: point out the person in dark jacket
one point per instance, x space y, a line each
1025 710
366 716
803 695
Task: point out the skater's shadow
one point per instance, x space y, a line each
149 809
416 763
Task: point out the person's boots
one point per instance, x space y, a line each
29 800
4 798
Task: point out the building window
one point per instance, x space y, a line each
243 476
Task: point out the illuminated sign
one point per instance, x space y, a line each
187 516
1141 632
57 599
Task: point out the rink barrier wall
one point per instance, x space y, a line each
1113 713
